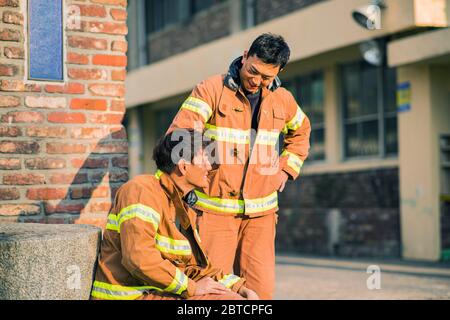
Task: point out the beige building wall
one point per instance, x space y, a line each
419 131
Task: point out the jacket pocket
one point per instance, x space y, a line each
278 118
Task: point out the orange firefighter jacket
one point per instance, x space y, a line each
249 168
143 250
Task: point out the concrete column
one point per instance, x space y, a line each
134 142
332 117
419 130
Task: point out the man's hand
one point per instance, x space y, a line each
209 286
284 179
248 294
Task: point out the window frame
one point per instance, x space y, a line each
381 116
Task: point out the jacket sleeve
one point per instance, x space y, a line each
197 109
138 223
297 132
230 281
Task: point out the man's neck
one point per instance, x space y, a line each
183 187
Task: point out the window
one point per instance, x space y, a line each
308 90
161 14
369 110
249 13
45 37
163 120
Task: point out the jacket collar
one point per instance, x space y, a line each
232 79
183 212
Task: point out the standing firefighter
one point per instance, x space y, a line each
151 249
245 111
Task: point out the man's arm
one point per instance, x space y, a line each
296 138
138 223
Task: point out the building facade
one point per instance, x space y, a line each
377 181
63 149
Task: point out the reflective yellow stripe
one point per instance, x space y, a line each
169 245
103 290
179 283
296 121
134 211
293 161
198 106
267 137
229 280
233 206
158 174
227 134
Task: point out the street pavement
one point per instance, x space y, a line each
306 277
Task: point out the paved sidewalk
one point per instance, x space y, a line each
305 277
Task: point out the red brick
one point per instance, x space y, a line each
113 177
110 147
119 133
9 3
92 10
45 102
70 88
122 3
108 89
118 75
14 53
112 28
19 147
9 101
89 43
90 163
87 193
68 178
19 209
106 118
87 219
88 104
65 117
65 148
118 105
23 179
9 194
119 14
75 58
88 133
10 164
18 86
87 74
45 163
109 60
120 46
23 117
100 207
8 70
8 131
47 132
12 17
46 193
120 162
10 35
68 207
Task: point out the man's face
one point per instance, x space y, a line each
197 170
256 74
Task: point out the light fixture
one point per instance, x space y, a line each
369 16
373 52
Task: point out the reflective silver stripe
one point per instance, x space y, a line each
267 137
179 283
199 106
227 134
294 161
173 246
229 280
119 293
296 121
146 213
237 206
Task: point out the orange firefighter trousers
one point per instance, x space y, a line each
244 244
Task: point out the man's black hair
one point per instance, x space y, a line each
188 142
271 49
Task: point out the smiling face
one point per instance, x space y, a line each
196 172
256 74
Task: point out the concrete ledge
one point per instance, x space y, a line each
47 261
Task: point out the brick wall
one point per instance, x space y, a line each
369 223
63 150
206 26
269 9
